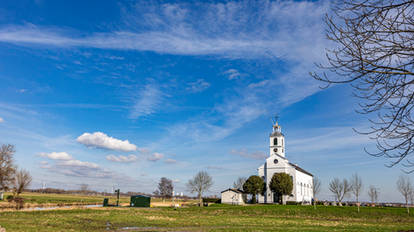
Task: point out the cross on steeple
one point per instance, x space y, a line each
275 119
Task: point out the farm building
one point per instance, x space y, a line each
232 196
277 163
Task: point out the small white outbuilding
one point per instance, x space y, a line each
232 196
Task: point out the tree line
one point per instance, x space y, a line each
282 184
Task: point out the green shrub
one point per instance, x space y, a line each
292 203
211 200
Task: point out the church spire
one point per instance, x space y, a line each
277 143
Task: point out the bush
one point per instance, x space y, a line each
9 198
292 203
211 200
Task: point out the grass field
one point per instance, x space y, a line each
41 199
62 199
213 218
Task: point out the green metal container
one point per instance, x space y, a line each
106 202
140 201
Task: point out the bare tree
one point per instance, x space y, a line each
373 194
22 180
316 189
405 187
165 188
84 188
238 184
374 53
7 167
340 189
356 184
412 197
201 183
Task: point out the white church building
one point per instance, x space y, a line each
278 163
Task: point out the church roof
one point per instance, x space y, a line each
300 169
276 133
234 190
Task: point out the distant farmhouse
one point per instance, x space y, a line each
277 163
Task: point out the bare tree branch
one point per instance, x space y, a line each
374 53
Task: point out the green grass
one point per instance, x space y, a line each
40 198
213 218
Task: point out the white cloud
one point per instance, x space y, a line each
232 74
197 86
78 163
122 158
66 165
147 101
1 120
57 156
156 156
101 140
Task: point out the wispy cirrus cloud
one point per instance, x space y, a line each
258 155
1 120
226 29
147 101
197 86
331 138
101 140
232 74
122 158
170 161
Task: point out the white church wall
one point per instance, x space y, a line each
303 186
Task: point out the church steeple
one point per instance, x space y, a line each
277 140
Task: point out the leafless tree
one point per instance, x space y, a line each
7 167
356 184
340 189
84 188
373 194
165 188
374 50
201 183
238 184
316 189
22 180
405 187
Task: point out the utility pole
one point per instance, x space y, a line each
117 197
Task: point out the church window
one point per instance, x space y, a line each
275 161
275 141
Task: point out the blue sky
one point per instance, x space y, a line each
122 93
